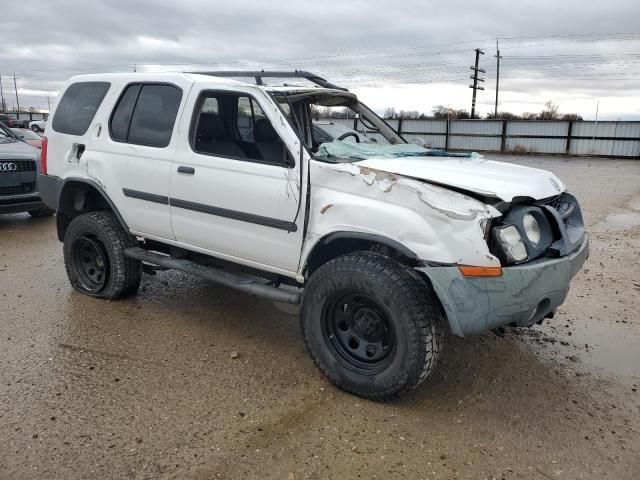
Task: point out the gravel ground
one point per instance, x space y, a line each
190 380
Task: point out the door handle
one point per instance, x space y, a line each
187 170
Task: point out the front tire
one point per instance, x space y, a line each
372 325
94 245
35 128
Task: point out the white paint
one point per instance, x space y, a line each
437 224
486 177
388 198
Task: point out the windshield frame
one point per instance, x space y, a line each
284 97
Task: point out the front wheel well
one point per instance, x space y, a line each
341 243
78 197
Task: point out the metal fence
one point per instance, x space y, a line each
606 139
24 117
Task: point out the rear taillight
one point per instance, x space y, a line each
43 156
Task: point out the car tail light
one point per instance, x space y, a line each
43 156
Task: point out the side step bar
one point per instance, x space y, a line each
245 283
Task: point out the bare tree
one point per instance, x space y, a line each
389 113
441 112
551 111
572 117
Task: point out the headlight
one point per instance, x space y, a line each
531 228
512 244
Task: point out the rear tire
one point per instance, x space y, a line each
94 245
372 325
35 128
41 212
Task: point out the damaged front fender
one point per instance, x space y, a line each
437 224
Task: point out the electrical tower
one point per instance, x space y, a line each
476 79
15 85
498 57
3 105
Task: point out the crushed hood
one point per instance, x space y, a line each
505 181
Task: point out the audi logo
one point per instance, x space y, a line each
8 167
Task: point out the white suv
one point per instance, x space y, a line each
384 246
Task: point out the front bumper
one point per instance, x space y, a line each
19 204
522 296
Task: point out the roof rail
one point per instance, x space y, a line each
259 75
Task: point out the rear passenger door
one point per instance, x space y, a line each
139 143
234 183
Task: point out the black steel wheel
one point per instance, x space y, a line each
94 245
357 330
90 262
372 325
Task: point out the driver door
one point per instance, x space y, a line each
235 182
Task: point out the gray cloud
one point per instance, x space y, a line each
357 43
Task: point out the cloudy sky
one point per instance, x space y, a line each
410 55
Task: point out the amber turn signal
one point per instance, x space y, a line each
471 271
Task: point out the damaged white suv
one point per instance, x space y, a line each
384 245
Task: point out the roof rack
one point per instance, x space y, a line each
259 75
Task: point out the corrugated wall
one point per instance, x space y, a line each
619 139
611 144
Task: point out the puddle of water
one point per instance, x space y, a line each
613 349
620 221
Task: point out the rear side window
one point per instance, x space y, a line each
121 117
145 114
78 106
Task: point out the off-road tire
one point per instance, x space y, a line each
410 305
41 212
124 274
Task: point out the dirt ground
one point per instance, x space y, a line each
151 387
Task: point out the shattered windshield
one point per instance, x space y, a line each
337 127
343 150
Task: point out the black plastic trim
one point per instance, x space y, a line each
49 188
149 197
98 188
234 214
326 241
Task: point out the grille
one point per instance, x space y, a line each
18 189
21 166
555 202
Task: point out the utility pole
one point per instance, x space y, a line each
3 106
498 57
15 86
475 81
